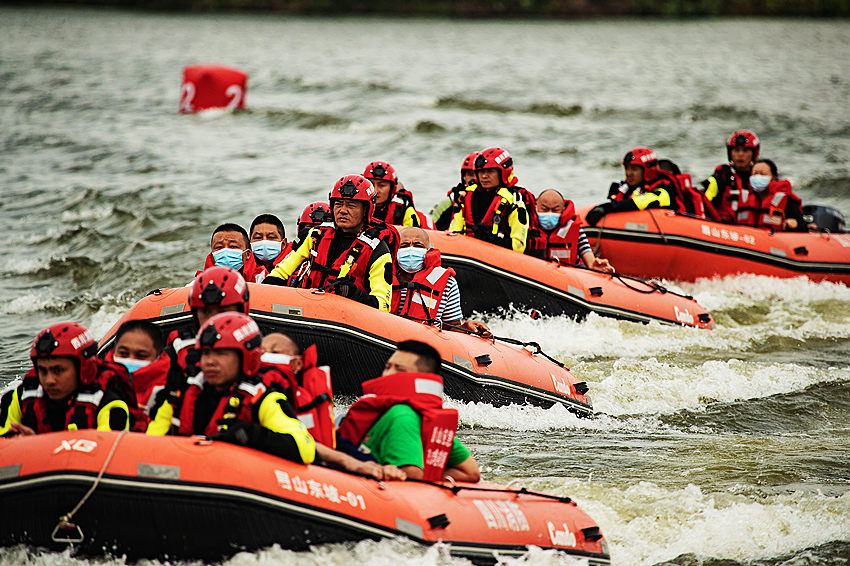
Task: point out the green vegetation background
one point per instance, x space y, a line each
496 8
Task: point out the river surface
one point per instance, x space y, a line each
717 447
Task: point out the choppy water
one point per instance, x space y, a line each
726 447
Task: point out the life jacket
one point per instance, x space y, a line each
693 200
352 263
83 407
423 392
497 213
250 270
766 211
237 404
149 380
388 234
562 242
425 221
424 291
392 212
312 396
535 244
732 189
663 180
184 363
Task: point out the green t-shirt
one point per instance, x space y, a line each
396 438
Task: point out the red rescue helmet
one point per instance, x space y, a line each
355 187
314 213
646 159
383 171
233 331
219 285
497 158
743 138
68 339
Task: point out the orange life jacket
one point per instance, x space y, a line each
562 242
766 211
423 392
424 291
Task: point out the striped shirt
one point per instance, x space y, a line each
449 309
583 244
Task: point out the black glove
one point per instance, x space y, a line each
345 288
597 212
486 233
614 189
238 432
260 438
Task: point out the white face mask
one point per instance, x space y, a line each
131 364
272 358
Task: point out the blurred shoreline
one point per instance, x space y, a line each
566 9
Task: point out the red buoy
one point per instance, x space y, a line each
212 86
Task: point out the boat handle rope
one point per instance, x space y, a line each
537 349
455 489
65 520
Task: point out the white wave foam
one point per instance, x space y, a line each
30 303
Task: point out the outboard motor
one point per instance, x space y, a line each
827 218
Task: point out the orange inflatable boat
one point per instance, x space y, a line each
491 277
661 243
356 340
190 498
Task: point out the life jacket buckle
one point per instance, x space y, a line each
68 533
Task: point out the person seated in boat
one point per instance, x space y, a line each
313 215
349 256
69 388
215 290
400 419
566 242
491 209
770 202
234 399
268 241
139 347
442 212
729 184
393 203
231 247
424 290
645 186
312 383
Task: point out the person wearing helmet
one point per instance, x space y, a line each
770 202
139 347
729 185
314 214
69 388
233 401
566 242
426 291
401 420
215 290
645 186
231 247
268 241
491 209
347 257
393 203
443 210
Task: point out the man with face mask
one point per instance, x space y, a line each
139 347
426 291
268 241
231 247
770 203
566 242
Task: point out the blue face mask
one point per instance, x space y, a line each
411 259
266 250
229 257
549 220
759 182
131 364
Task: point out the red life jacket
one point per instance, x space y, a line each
313 396
423 392
323 272
535 243
425 221
427 286
251 270
663 180
730 192
238 403
562 242
497 213
392 211
149 380
766 211
83 407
